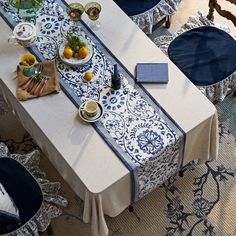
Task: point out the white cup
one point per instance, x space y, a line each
91 108
24 34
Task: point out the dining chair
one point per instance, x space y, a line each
149 14
35 200
205 52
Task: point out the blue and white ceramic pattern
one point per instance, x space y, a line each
141 134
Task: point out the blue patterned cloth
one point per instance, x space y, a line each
134 125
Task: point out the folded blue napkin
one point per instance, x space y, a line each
152 73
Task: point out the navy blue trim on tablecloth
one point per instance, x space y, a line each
98 126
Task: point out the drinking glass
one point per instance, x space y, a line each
26 8
93 10
75 12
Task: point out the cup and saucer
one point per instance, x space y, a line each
91 111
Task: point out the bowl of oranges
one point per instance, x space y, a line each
75 51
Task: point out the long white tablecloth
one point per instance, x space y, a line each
77 151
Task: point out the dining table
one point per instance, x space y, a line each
76 149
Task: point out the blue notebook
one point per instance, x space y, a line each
152 73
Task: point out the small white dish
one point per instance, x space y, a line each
73 61
89 119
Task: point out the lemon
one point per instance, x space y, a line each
88 75
68 53
83 52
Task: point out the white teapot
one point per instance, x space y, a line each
24 34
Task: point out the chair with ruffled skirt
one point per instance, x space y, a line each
205 53
148 14
35 198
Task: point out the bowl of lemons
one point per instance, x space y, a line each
75 51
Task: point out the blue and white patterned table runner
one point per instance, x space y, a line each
134 125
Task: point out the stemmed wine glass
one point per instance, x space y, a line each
75 12
93 9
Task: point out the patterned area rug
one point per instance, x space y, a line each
201 203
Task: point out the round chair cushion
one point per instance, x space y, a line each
136 7
22 187
206 55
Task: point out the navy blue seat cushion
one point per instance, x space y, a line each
206 55
135 7
22 187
